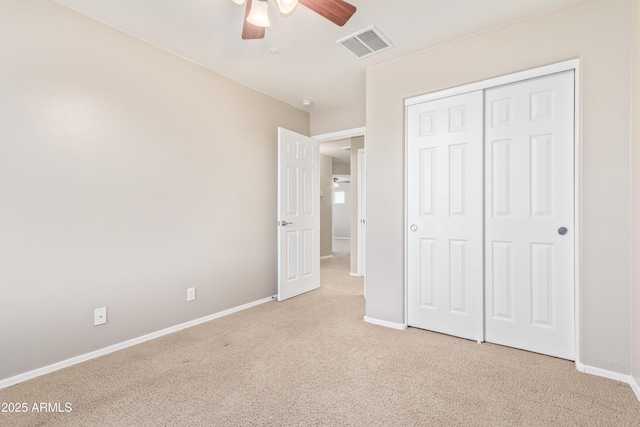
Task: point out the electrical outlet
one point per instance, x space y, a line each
191 294
100 316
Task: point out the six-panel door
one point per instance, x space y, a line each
528 204
444 190
490 215
298 214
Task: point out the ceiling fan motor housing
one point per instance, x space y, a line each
257 18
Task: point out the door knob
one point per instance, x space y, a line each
413 227
285 223
562 231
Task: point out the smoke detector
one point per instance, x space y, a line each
306 103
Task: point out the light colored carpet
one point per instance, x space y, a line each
311 361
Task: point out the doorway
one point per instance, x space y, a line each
344 144
341 215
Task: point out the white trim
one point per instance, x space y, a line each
571 64
392 325
125 344
603 373
577 200
616 376
362 213
341 134
355 274
635 387
405 231
342 238
326 256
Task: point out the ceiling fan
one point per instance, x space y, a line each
256 17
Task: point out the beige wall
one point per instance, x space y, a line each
635 192
346 117
326 187
340 168
599 32
350 116
126 175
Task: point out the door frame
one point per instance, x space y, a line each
572 64
346 179
362 213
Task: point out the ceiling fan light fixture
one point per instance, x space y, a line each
286 6
259 13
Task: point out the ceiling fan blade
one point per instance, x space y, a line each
250 31
336 11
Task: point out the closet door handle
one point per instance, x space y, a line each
413 227
562 231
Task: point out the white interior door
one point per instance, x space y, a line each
362 214
298 214
444 215
529 215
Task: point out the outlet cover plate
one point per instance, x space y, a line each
191 294
100 316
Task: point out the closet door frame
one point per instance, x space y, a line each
573 64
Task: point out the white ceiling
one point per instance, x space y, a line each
309 64
337 149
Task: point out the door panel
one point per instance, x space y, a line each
444 217
502 285
529 196
298 214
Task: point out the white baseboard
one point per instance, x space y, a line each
355 274
610 375
603 373
392 325
120 346
635 387
326 256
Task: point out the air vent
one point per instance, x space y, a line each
366 42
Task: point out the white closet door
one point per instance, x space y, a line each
444 202
529 243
